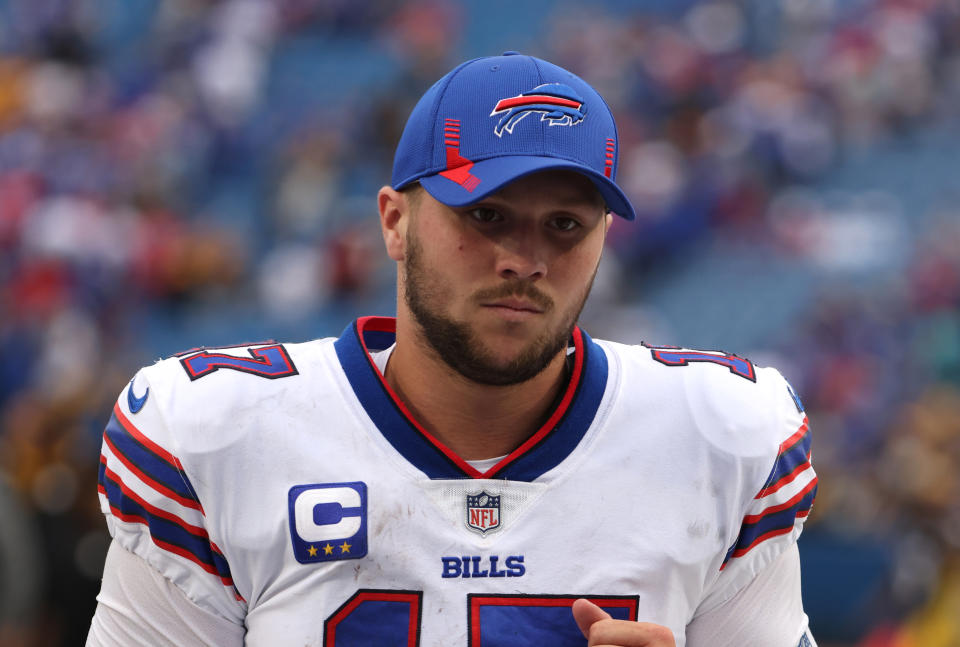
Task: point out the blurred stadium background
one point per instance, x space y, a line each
190 172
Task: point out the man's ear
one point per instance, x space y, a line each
394 216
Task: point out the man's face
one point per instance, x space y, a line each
496 288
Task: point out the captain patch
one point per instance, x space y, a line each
328 521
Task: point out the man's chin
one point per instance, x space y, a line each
496 376
498 366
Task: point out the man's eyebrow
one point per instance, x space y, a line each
579 201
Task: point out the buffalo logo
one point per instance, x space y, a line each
557 104
483 512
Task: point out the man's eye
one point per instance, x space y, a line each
485 214
565 224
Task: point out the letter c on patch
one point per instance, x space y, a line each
328 521
328 513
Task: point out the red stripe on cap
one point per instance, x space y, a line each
458 169
513 102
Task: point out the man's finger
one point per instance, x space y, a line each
586 613
620 633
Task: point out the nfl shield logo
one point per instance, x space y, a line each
483 512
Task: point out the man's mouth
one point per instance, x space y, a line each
515 305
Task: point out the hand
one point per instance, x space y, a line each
603 631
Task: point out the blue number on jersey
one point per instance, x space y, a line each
534 620
672 356
376 617
386 617
266 361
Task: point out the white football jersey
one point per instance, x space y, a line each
286 488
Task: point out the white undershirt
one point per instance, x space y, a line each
381 357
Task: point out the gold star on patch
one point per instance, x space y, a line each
328 549
344 547
313 551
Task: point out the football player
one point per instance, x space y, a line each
477 470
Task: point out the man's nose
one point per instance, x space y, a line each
522 255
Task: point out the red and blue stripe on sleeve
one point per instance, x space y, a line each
785 499
145 484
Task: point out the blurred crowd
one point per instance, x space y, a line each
194 172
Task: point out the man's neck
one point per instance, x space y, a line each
474 420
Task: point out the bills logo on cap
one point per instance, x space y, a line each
557 103
483 512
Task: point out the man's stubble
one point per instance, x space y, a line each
456 343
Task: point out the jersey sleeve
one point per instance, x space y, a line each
139 607
150 504
768 611
780 491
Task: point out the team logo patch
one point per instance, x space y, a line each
328 521
483 512
557 104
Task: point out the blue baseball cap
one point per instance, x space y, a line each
493 120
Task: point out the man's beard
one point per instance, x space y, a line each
459 347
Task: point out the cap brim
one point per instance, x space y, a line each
493 174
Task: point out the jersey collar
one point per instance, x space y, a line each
543 451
